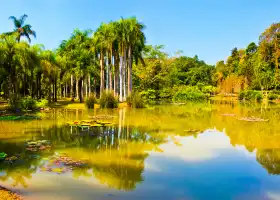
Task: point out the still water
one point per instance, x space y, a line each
176 152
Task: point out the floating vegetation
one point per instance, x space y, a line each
6 194
101 117
90 123
61 164
252 119
11 159
192 131
40 145
228 114
3 155
18 117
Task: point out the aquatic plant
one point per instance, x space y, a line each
3 155
135 100
90 101
108 100
18 117
28 103
189 93
250 95
43 103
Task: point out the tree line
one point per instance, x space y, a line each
116 58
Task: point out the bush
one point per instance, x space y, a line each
14 102
43 103
166 93
108 100
90 101
149 96
135 100
250 95
189 93
209 89
272 96
28 103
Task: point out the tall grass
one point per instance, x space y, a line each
108 100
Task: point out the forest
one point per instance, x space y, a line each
116 59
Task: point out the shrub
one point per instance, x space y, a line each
149 96
250 95
209 89
189 93
135 100
90 101
43 103
14 102
272 96
108 100
28 103
166 93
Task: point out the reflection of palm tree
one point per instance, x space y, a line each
270 160
19 175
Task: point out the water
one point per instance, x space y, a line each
176 152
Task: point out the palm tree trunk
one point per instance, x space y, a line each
86 88
116 74
101 72
121 78
89 86
129 73
124 76
82 88
77 87
72 88
66 87
110 74
107 73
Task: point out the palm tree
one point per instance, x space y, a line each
136 43
21 29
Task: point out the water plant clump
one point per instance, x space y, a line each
18 117
3 155
135 100
108 100
90 101
40 145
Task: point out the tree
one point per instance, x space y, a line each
21 29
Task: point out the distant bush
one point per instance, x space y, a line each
43 103
149 96
90 101
166 93
272 96
250 95
108 100
28 103
189 93
14 102
135 100
209 89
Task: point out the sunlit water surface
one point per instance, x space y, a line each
175 152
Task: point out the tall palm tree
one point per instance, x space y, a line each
21 29
136 43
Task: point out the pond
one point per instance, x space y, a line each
180 152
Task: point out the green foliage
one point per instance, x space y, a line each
149 96
28 103
14 102
251 95
135 100
18 117
90 101
3 155
108 100
43 103
272 96
189 93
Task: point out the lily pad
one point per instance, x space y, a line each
3 155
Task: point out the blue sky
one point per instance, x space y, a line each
208 28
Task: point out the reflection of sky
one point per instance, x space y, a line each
206 167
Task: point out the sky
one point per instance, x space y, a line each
207 28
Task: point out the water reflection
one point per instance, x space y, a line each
149 141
